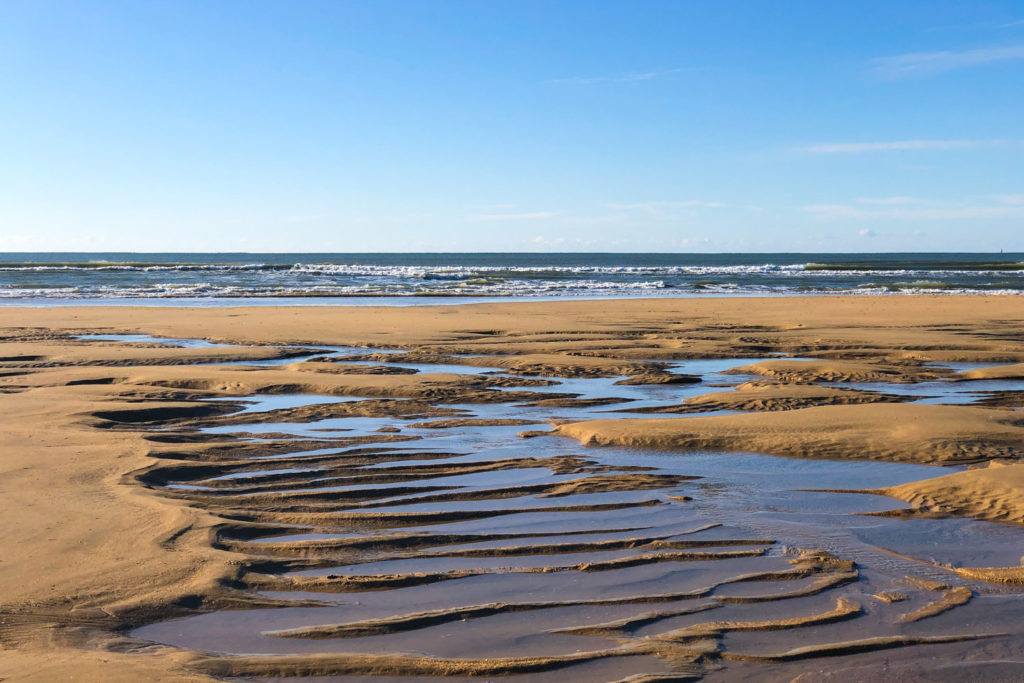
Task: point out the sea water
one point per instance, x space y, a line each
224 279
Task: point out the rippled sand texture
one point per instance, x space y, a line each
819 487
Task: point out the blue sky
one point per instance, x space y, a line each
511 126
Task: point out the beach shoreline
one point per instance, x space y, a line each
95 546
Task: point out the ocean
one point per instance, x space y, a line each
234 279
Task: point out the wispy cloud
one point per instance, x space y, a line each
594 219
899 145
662 206
933 211
527 216
927 63
1014 199
621 78
889 201
977 26
567 218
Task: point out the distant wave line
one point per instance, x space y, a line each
538 271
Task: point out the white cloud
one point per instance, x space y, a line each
659 206
594 219
868 233
16 241
694 242
622 78
889 201
40 242
898 145
832 210
932 212
925 63
528 216
1008 198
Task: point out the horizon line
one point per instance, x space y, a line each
517 253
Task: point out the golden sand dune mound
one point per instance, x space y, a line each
833 371
898 433
995 493
1015 371
765 396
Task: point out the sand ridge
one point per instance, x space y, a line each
890 432
768 396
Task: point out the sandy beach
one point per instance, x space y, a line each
641 489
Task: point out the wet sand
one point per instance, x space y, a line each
665 489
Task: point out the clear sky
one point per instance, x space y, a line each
511 126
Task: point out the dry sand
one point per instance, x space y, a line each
89 549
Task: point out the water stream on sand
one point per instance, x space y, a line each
473 543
